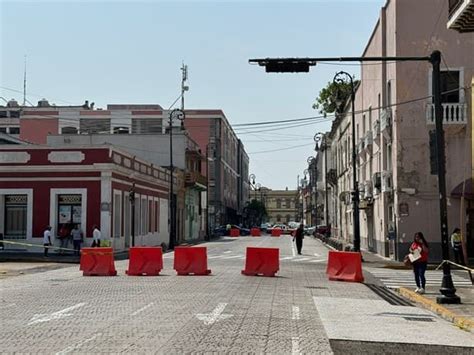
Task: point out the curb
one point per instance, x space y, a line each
445 313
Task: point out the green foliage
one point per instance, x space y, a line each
326 101
257 208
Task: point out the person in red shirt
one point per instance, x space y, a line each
419 254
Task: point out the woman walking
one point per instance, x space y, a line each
419 259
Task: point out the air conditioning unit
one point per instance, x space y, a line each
387 184
377 182
368 193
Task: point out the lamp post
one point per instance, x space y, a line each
313 186
131 197
321 138
340 78
292 65
179 115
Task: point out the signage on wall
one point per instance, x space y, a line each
403 209
70 199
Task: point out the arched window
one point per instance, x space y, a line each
278 202
69 130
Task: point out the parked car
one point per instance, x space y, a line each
222 230
322 229
309 230
264 227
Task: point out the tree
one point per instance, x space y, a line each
326 101
255 211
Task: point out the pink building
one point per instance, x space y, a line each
394 125
87 186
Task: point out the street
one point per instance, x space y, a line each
299 311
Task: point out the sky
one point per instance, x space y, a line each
131 52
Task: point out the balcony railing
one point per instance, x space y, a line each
453 113
195 179
368 140
461 15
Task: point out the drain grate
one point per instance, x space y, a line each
389 296
419 319
317 287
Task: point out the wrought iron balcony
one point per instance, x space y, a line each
461 15
196 180
453 113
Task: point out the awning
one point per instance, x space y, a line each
468 190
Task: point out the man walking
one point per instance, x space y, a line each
298 237
456 244
96 235
77 238
47 240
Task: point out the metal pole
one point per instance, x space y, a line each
355 197
448 292
207 194
326 217
132 202
171 199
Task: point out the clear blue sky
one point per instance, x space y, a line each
131 52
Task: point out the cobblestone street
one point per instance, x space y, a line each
60 311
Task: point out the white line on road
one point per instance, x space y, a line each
316 254
142 309
293 248
215 315
78 345
40 318
295 345
227 252
296 313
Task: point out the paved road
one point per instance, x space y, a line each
60 311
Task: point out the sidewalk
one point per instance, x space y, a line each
53 257
456 313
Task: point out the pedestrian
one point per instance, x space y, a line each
457 246
77 239
96 235
63 236
419 260
47 240
298 237
228 227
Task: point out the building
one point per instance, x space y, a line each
226 166
394 133
281 205
87 186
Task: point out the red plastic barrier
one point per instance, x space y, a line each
234 232
97 262
255 232
145 261
344 266
262 261
191 260
276 232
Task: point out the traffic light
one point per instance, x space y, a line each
287 67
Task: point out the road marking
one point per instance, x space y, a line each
302 259
293 251
40 318
287 258
233 257
215 315
317 261
316 254
295 345
74 347
227 252
142 309
295 313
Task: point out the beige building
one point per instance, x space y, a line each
394 134
281 205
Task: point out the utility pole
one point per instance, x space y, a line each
184 77
24 84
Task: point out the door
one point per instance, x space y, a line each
370 231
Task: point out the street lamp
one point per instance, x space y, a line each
292 65
179 115
321 138
131 197
340 78
313 188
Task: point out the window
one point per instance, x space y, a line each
278 218
14 114
389 93
144 217
69 130
95 125
450 87
117 216
278 203
15 216
288 203
121 130
148 125
288 218
126 217
14 130
3 129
